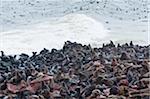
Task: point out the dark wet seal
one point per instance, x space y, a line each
124 56
114 90
76 72
89 90
106 22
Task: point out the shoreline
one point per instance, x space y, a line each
29 50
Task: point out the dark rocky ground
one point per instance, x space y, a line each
77 72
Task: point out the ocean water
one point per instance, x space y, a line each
31 25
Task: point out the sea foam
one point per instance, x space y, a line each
52 34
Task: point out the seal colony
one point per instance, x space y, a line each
77 72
